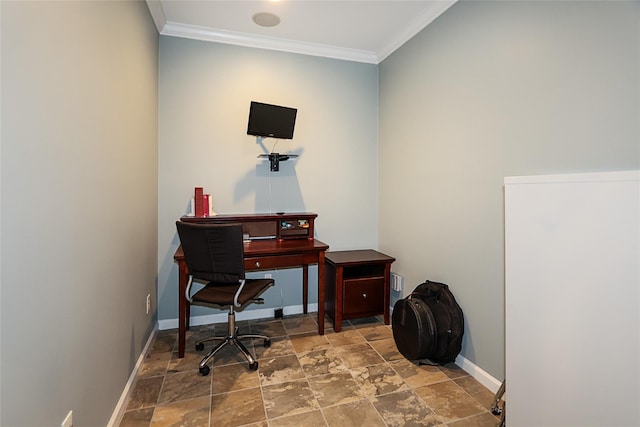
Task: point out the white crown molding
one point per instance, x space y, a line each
157 13
264 42
175 29
417 25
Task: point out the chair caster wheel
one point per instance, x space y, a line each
199 346
253 366
267 343
204 371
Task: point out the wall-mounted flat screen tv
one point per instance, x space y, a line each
271 120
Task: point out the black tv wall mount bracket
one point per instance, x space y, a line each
275 159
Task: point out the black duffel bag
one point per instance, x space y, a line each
428 324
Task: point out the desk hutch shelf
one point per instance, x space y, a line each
266 226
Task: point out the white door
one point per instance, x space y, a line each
572 269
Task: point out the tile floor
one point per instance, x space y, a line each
352 378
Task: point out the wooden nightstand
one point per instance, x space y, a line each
357 285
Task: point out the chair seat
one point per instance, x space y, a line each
223 294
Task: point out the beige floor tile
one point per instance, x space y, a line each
345 337
378 379
418 375
320 362
359 413
279 369
184 385
137 418
164 342
197 333
280 346
155 364
191 412
359 355
145 393
189 362
404 408
299 325
449 401
386 347
309 342
271 329
477 390
378 331
237 408
452 370
228 378
288 398
335 389
230 354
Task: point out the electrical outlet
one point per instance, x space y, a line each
68 420
397 282
148 303
268 276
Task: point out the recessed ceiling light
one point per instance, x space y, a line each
266 19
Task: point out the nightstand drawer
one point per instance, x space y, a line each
363 297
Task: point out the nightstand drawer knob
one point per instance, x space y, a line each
257 263
364 295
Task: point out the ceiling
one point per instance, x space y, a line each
354 30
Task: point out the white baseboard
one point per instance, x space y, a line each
482 376
262 313
121 406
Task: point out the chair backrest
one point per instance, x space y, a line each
213 252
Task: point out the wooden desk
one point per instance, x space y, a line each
262 254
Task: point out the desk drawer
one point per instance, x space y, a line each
270 262
363 297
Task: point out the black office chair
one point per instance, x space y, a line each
214 254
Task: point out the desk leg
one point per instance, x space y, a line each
305 288
183 310
321 293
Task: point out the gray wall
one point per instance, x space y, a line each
487 90
494 89
204 95
79 205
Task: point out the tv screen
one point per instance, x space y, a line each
271 120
